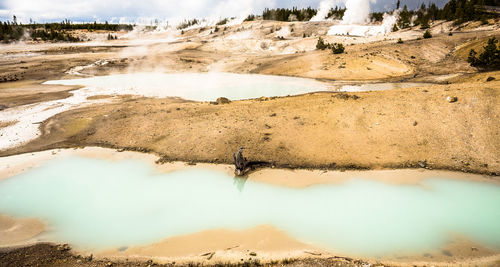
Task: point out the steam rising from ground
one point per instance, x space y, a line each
357 12
356 16
324 8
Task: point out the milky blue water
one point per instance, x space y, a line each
196 86
212 85
98 204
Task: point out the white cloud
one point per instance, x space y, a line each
130 10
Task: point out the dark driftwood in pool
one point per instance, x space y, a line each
240 162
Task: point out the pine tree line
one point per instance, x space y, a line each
13 31
285 14
459 11
10 31
68 25
336 13
187 23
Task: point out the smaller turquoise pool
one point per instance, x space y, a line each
98 204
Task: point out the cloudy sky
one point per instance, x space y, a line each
145 10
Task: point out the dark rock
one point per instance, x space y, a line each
63 247
415 123
422 164
489 79
2 107
345 96
253 254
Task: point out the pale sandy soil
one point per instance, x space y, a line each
19 231
321 130
221 245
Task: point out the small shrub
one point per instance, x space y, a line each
321 45
427 34
338 48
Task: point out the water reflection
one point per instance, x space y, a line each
239 182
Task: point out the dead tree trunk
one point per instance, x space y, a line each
240 162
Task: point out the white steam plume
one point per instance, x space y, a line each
357 15
324 8
357 12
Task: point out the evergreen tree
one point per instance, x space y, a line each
489 59
424 22
427 34
459 13
404 18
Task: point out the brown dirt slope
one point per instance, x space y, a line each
335 130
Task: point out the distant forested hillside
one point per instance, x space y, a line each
454 10
14 31
285 14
